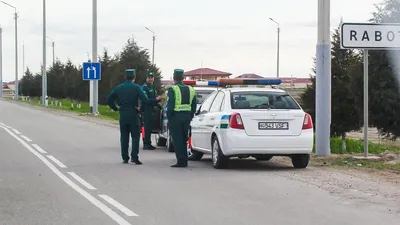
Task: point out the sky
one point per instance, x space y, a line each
233 36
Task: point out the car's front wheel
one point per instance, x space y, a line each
160 141
300 161
219 160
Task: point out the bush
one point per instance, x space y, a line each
357 146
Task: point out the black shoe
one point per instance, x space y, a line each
178 166
137 162
125 161
149 147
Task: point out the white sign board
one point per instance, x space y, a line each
370 35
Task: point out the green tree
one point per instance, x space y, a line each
345 117
384 74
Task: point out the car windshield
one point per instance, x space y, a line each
262 100
201 95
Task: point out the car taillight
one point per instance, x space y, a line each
307 124
236 122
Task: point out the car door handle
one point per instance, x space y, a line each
212 118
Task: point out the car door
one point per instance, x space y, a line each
211 119
197 124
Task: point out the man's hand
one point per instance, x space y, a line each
138 108
159 98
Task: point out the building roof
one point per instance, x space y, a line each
206 72
249 75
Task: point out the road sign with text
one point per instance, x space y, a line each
370 36
91 71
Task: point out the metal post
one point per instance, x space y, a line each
277 57
277 48
44 76
94 56
53 53
23 67
1 62
323 80
16 56
154 41
365 102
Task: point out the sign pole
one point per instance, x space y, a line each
94 58
1 62
366 103
323 81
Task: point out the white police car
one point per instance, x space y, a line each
251 122
163 136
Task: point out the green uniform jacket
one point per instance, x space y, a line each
151 94
128 95
171 114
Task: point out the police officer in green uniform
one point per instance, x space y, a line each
181 108
147 110
128 95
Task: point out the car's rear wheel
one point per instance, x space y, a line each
263 157
219 160
160 141
300 161
194 155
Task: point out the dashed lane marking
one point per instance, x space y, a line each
56 161
109 212
26 138
82 181
39 149
118 205
16 131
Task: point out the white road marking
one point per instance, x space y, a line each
118 205
113 215
16 131
39 149
2 124
82 181
56 161
26 138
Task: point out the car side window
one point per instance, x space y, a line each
217 104
205 107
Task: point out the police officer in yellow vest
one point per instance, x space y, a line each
147 110
127 95
181 108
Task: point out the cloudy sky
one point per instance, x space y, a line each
229 35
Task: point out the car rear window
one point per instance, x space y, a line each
201 95
262 100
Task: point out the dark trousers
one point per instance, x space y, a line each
179 131
127 130
148 127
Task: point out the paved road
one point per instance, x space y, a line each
59 170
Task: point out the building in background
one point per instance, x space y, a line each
205 74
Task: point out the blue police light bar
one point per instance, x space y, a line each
202 83
249 81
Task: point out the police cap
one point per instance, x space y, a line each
178 72
149 74
130 73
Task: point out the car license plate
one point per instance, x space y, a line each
273 125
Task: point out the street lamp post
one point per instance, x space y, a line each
1 62
44 77
52 45
16 48
323 81
277 50
154 41
94 57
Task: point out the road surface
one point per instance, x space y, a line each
55 169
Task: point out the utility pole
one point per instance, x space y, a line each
278 48
323 81
1 62
94 57
154 43
44 76
52 44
